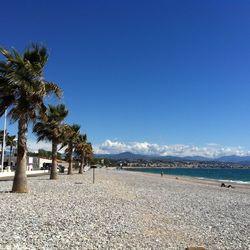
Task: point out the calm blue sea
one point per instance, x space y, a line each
220 174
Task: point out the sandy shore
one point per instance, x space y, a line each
193 180
124 210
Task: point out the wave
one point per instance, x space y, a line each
223 180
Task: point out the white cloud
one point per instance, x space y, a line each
210 150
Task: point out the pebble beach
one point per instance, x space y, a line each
123 210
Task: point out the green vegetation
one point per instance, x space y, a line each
44 154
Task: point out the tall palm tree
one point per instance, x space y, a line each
70 137
50 128
22 90
80 150
11 142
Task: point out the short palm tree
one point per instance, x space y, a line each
89 153
1 143
70 137
50 128
11 142
80 150
1 140
22 90
1 136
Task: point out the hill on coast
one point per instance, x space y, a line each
133 157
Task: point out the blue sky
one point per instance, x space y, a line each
161 72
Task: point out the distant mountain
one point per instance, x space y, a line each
197 158
130 156
234 159
124 156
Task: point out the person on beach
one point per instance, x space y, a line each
224 185
161 172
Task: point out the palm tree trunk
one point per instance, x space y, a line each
70 159
81 166
20 179
53 171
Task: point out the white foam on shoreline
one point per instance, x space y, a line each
222 180
202 178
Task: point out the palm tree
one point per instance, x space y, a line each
1 141
11 142
89 152
1 136
70 137
80 150
22 90
50 128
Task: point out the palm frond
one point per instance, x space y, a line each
22 86
52 88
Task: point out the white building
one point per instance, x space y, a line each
33 163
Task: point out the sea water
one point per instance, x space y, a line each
219 174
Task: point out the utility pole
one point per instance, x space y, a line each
4 134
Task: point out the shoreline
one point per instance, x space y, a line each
193 180
185 168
